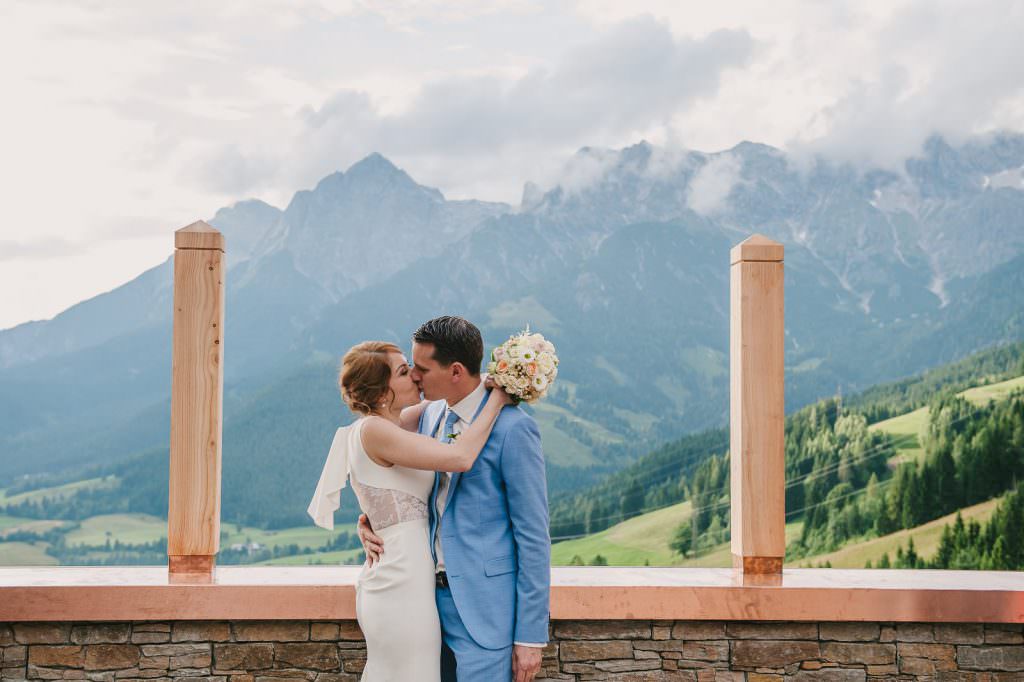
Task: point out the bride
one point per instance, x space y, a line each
391 468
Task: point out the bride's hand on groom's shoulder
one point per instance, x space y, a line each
498 393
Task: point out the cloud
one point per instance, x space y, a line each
633 78
166 112
953 73
40 249
712 184
585 168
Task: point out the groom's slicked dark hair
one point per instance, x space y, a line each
455 339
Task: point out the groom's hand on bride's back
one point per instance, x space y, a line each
373 545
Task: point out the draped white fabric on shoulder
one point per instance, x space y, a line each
395 602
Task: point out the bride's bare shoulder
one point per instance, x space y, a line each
374 426
375 435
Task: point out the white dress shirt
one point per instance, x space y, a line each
465 408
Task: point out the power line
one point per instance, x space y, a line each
647 477
880 449
827 500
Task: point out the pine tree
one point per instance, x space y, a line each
947 488
998 560
1010 528
945 552
632 499
682 539
911 556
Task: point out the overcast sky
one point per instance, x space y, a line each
123 121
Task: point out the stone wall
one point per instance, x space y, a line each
278 651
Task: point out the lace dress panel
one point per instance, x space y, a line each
386 507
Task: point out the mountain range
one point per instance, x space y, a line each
623 263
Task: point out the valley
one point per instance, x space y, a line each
643 539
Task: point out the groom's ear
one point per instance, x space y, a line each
458 371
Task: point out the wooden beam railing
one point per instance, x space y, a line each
197 371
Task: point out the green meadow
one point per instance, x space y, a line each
926 540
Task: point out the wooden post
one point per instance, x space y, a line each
757 406
197 371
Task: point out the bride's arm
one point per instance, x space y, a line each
387 442
410 418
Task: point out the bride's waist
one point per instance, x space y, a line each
404 543
400 528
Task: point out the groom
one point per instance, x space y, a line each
489 525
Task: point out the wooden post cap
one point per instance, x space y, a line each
199 235
756 247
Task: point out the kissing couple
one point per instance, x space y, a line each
453 492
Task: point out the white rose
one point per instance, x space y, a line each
545 363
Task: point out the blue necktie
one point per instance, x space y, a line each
449 424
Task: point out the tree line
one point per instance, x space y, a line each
971 454
997 545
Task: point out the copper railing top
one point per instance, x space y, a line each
327 592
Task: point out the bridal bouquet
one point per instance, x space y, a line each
525 366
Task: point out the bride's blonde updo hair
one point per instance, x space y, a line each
365 374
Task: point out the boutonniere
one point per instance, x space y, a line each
453 436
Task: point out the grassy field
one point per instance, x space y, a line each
139 528
629 543
980 395
25 554
721 556
59 491
646 538
130 528
325 558
31 526
143 528
926 540
303 536
11 521
906 427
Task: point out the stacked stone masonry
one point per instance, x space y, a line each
627 651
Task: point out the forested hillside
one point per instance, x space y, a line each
846 478
996 545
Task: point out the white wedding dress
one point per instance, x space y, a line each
395 602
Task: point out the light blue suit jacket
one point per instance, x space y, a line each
495 534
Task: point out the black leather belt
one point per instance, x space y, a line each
441 579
